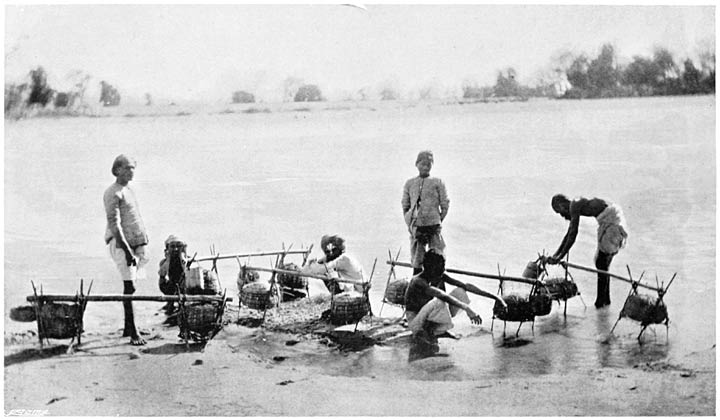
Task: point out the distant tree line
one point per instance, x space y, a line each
578 76
603 77
35 92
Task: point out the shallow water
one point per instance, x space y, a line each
245 182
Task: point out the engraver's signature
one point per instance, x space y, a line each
26 412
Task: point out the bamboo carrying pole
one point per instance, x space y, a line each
474 274
593 270
119 298
298 273
250 254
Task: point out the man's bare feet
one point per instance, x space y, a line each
137 341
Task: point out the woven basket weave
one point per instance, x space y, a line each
256 296
395 292
291 280
348 308
519 309
561 288
202 318
645 309
60 320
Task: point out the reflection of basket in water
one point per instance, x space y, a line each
395 292
644 309
60 320
293 281
348 308
560 288
201 321
256 296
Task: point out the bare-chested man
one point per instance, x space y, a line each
612 235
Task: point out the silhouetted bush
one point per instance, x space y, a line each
308 93
242 97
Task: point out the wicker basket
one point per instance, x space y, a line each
395 292
292 281
23 314
519 309
541 303
348 308
256 296
561 288
645 309
201 318
60 320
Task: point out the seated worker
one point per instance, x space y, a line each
337 264
174 271
429 308
171 274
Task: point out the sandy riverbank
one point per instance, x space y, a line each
294 367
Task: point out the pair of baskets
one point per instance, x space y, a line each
523 308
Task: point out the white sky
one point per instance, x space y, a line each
206 52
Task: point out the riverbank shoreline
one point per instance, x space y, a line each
276 370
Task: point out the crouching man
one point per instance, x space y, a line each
171 274
429 308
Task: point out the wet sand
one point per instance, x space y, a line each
294 364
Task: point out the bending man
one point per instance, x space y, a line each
611 235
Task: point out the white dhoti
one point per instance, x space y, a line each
438 312
612 234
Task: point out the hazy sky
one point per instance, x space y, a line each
197 51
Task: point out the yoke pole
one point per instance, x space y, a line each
123 298
593 270
250 254
475 274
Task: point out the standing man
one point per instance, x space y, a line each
125 236
425 205
611 235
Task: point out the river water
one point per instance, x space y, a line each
235 182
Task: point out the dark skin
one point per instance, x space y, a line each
432 274
572 211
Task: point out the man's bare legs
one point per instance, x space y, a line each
130 328
602 262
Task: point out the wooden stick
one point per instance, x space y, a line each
306 255
297 273
473 274
119 298
247 254
593 270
